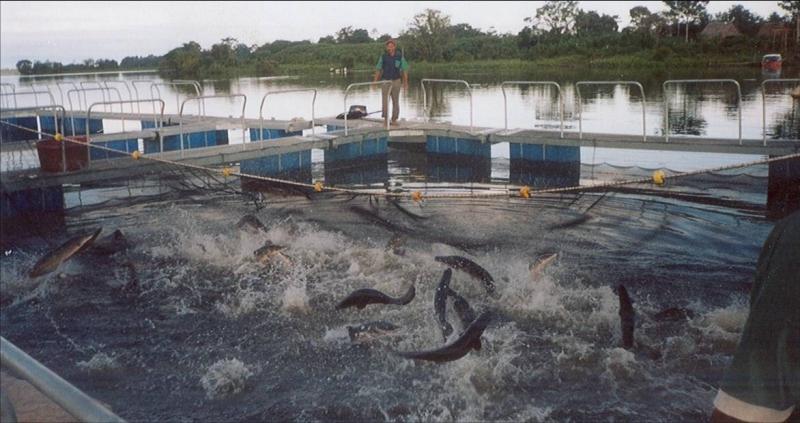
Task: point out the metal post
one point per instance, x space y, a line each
360 84
263 99
697 81
70 398
764 102
456 81
551 83
89 116
580 103
202 98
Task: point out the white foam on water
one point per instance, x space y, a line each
225 377
242 302
620 366
100 362
720 328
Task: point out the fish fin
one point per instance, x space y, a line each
476 344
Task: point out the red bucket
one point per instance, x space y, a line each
77 154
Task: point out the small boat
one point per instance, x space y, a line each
771 62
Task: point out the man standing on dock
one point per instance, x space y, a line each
392 67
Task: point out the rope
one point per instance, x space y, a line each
519 191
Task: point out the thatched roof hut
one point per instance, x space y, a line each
720 30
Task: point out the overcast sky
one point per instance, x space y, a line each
72 31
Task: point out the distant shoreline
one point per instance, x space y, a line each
117 72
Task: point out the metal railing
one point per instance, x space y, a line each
61 92
34 93
580 103
699 81
140 81
193 84
86 100
201 99
451 81
63 393
156 119
263 99
363 84
57 124
764 102
127 87
546 83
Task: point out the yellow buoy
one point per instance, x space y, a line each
318 186
525 192
416 196
136 154
58 137
659 177
226 171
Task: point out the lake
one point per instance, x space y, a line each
187 323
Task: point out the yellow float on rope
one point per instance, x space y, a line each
525 192
318 186
136 155
659 177
416 196
226 171
58 137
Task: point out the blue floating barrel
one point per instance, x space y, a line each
31 201
268 134
124 146
10 133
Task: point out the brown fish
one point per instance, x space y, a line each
53 259
542 263
363 297
470 339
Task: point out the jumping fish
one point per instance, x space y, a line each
363 297
53 259
471 268
542 262
440 303
368 331
250 222
627 317
470 339
109 245
465 312
374 218
268 251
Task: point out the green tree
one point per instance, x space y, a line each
349 35
591 23
183 61
429 34
464 30
642 20
775 18
558 17
327 40
793 8
25 67
746 22
690 11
